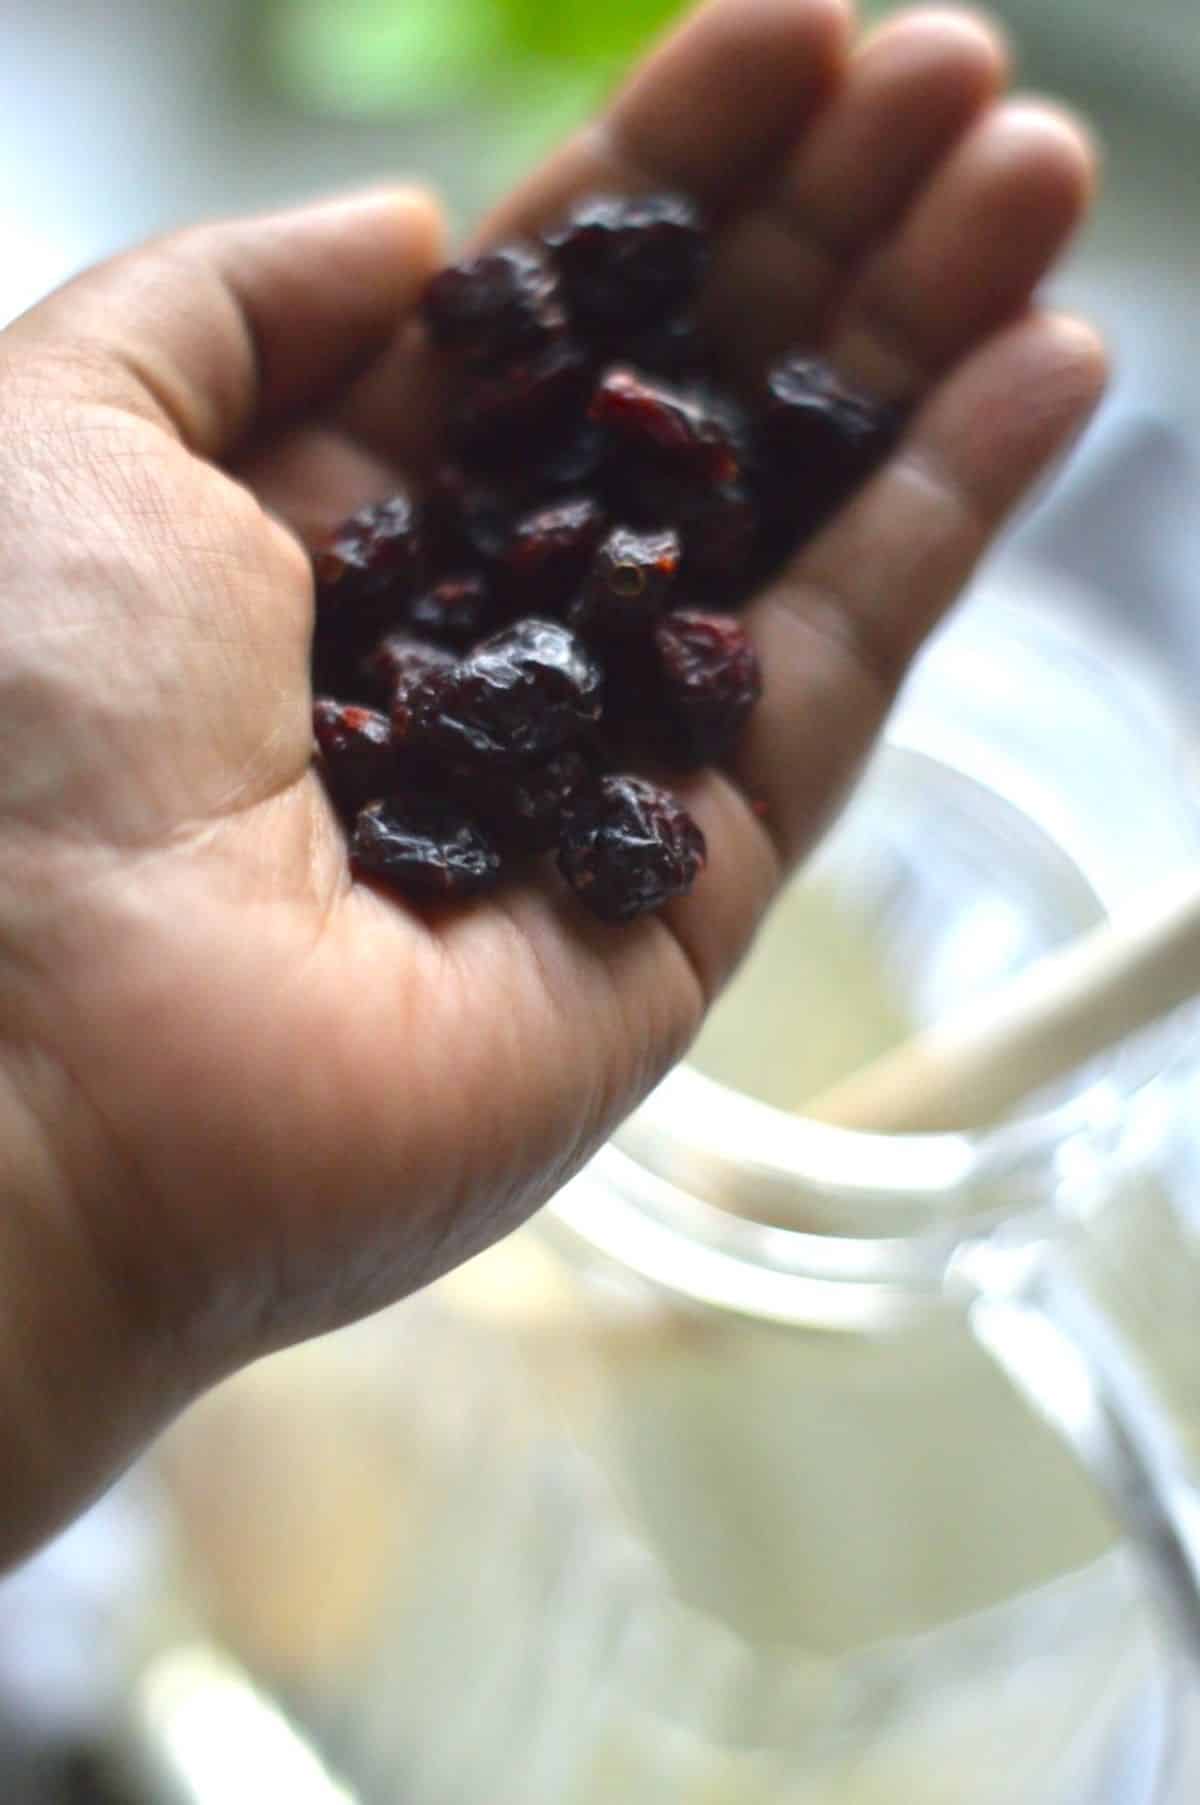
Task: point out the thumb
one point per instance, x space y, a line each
222 328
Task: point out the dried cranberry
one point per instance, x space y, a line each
398 661
377 551
356 752
813 419
525 807
490 306
426 847
548 553
626 259
574 461
674 348
455 612
666 424
515 699
531 398
470 517
710 680
628 846
629 583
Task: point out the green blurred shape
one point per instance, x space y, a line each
604 32
364 56
356 57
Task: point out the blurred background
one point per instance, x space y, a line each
119 118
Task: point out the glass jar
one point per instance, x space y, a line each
773 1462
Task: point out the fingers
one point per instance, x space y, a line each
215 330
710 111
970 251
913 88
837 632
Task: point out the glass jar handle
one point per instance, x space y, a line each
1032 1315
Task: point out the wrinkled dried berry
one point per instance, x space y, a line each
425 847
720 534
505 301
356 752
515 699
549 552
626 260
710 681
675 348
455 612
573 462
397 662
628 846
812 416
525 808
629 583
470 518
667 425
528 399
376 552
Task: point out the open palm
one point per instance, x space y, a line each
242 1098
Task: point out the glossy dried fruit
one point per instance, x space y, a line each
504 301
515 699
711 680
629 582
470 517
397 662
820 426
525 807
627 259
428 848
356 752
377 552
628 846
526 400
549 552
456 611
574 461
667 425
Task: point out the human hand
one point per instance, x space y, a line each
242 1099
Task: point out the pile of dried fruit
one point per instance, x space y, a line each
558 601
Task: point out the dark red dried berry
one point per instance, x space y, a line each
711 680
573 462
356 752
428 848
470 518
628 846
629 583
674 348
397 662
813 419
525 807
515 699
667 425
627 259
720 533
377 552
549 552
530 399
455 612
504 301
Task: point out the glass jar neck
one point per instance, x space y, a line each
721 1200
